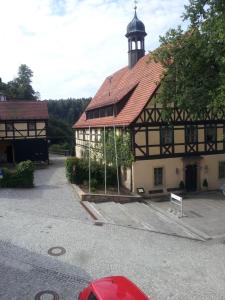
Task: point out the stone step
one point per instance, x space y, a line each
157 221
95 212
113 212
150 217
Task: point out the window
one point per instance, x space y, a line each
96 113
210 133
9 126
102 112
109 111
221 169
158 176
31 126
167 135
191 134
89 115
92 297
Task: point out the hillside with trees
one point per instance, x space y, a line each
63 114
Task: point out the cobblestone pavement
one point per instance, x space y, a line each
165 267
52 195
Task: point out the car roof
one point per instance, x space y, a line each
117 287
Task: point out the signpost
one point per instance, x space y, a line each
177 201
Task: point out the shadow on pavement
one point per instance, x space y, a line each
25 274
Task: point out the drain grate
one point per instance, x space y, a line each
43 293
56 251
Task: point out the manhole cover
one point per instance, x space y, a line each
56 251
44 295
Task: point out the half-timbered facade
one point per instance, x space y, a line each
168 155
23 131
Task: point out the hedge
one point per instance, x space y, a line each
21 177
77 171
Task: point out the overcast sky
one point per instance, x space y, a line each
72 45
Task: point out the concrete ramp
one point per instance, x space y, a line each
138 215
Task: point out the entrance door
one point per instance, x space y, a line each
9 154
191 178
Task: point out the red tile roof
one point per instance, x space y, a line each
145 75
23 110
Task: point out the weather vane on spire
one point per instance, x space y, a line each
135 4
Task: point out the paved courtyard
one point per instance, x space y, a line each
33 221
204 213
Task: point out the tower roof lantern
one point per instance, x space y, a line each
135 26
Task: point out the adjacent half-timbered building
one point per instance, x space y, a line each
23 131
185 152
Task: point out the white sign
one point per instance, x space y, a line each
177 200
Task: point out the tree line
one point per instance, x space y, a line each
63 114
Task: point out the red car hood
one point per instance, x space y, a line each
117 288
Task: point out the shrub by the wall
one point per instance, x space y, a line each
21 177
77 171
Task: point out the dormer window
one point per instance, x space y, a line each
100 112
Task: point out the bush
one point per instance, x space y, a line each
181 185
205 183
22 177
77 171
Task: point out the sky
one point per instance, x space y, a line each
72 45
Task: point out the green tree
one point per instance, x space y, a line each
67 110
123 147
194 61
59 132
20 87
2 86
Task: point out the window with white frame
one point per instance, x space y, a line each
221 169
158 176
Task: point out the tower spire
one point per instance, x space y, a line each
136 39
135 7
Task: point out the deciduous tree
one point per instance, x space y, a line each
20 87
194 60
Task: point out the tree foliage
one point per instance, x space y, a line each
122 139
194 61
63 114
67 110
20 88
59 132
